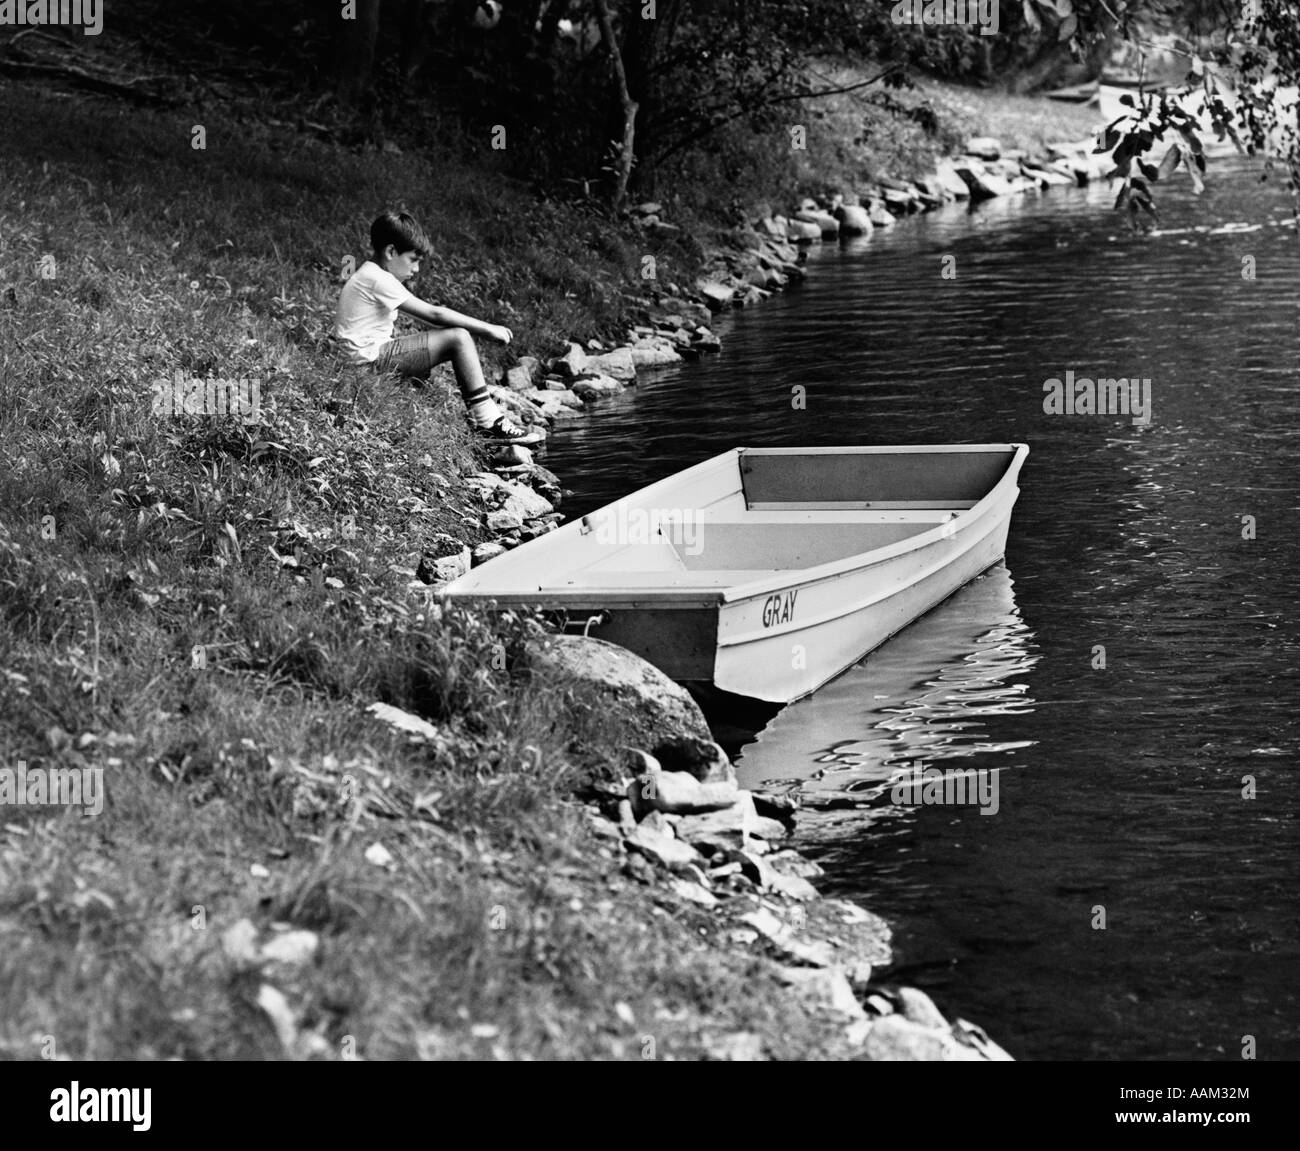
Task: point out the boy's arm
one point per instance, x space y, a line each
446 318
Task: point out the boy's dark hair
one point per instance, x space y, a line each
400 230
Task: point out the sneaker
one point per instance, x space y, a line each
507 431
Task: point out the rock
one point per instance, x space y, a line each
984 147
638 704
828 224
571 364
522 501
739 1047
1047 176
567 398
777 805
792 863
745 238
626 816
618 365
445 568
803 230
975 1037
730 827
982 183
293 947
504 521
897 1039
701 758
880 216
273 1001
854 219
946 176
717 296
589 388
693 892
679 793
402 720
660 847
485 552
517 379
816 953
823 987
651 355
239 942
770 227
548 403
793 887
380 856
899 201
919 1008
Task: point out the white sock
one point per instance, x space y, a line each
483 409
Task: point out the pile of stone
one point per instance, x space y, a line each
678 820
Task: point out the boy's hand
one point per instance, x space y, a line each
499 334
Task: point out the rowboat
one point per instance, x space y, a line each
766 572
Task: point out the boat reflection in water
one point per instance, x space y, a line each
930 697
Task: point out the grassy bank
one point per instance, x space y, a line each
251 787
204 609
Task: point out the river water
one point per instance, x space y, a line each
1129 672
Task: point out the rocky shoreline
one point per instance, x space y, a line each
671 815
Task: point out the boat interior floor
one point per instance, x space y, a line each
711 553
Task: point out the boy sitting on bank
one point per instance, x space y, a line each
368 307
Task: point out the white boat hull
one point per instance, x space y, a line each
771 570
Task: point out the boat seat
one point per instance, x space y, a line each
741 546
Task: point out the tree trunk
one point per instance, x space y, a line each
644 45
356 41
628 152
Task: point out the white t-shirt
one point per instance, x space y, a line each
367 310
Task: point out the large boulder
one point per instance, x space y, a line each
678 793
880 216
828 224
571 363
947 178
638 705
983 184
518 499
803 230
647 354
618 365
716 295
596 387
854 219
